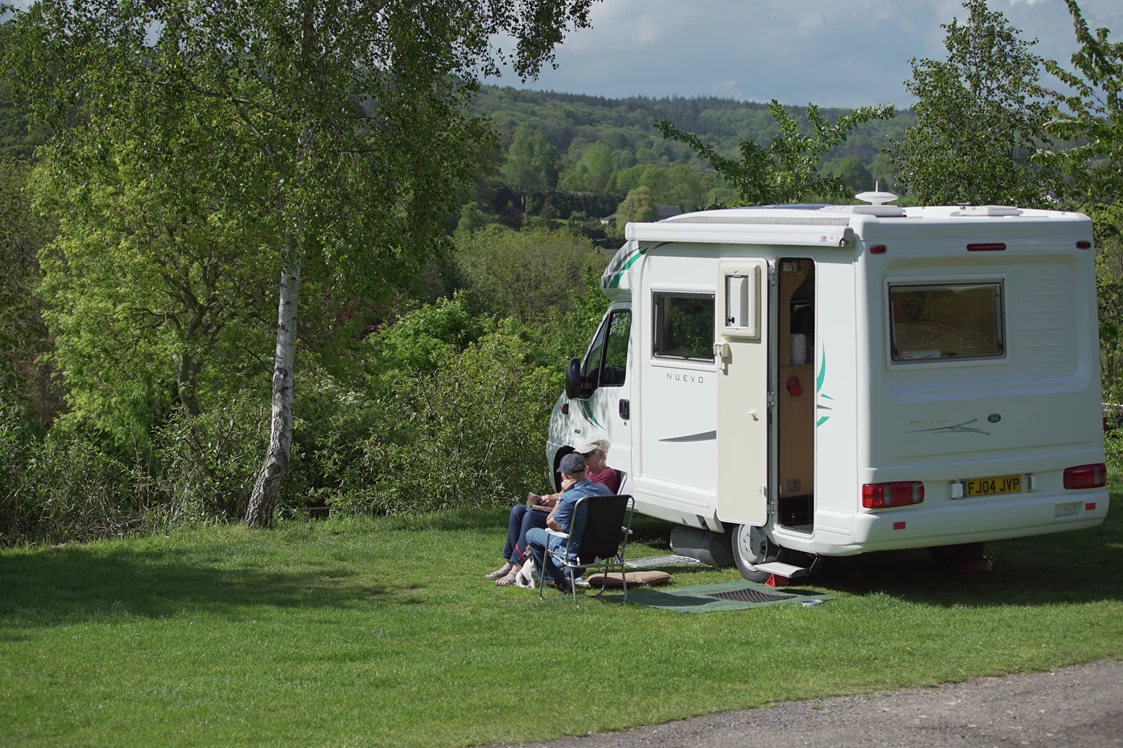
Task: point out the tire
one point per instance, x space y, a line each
752 546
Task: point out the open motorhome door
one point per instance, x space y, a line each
742 423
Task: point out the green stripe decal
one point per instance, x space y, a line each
587 411
625 262
819 386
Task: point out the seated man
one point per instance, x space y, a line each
525 517
564 518
595 452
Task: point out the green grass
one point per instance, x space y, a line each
383 632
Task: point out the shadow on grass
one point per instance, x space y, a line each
652 532
1076 567
75 583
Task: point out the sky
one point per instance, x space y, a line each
833 53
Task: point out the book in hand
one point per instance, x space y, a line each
532 503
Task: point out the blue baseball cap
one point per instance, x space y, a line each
572 463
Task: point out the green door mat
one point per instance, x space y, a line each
705 598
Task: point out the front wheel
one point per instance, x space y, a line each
751 546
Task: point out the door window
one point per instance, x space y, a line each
606 363
615 368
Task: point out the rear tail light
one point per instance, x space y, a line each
996 247
885 495
1086 476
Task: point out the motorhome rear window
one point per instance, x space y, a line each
946 322
684 326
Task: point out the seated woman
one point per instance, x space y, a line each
533 513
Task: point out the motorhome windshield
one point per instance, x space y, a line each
946 321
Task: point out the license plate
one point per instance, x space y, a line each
993 486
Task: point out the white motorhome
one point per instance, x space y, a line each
813 381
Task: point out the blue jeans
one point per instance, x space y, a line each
538 541
519 523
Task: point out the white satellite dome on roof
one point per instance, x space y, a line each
876 197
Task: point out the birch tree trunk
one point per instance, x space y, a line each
263 500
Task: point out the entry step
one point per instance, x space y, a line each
782 569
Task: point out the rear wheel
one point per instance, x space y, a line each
751 546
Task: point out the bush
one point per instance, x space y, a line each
70 486
12 458
467 435
420 339
208 463
72 489
1113 447
526 274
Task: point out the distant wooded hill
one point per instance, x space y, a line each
575 158
572 122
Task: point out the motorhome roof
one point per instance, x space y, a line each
833 225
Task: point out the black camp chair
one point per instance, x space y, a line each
608 522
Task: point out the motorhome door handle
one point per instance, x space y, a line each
625 409
753 413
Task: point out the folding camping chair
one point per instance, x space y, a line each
608 523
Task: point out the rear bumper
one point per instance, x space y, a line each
962 521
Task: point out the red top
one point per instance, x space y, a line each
606 477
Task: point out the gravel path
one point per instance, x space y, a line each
1076 706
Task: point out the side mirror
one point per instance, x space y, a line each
573 379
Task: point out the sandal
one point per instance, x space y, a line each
501 571
507 580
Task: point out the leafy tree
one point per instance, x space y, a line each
638 207
787 170
471 219
851 171
594 168
352 138
532 162
981 114
684 187
883 173
1091 116
158 279
523 274
17 139
25 380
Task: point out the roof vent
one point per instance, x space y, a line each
984 211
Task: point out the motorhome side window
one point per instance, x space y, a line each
684 326
946 321
606 364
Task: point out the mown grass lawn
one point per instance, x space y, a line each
383 632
